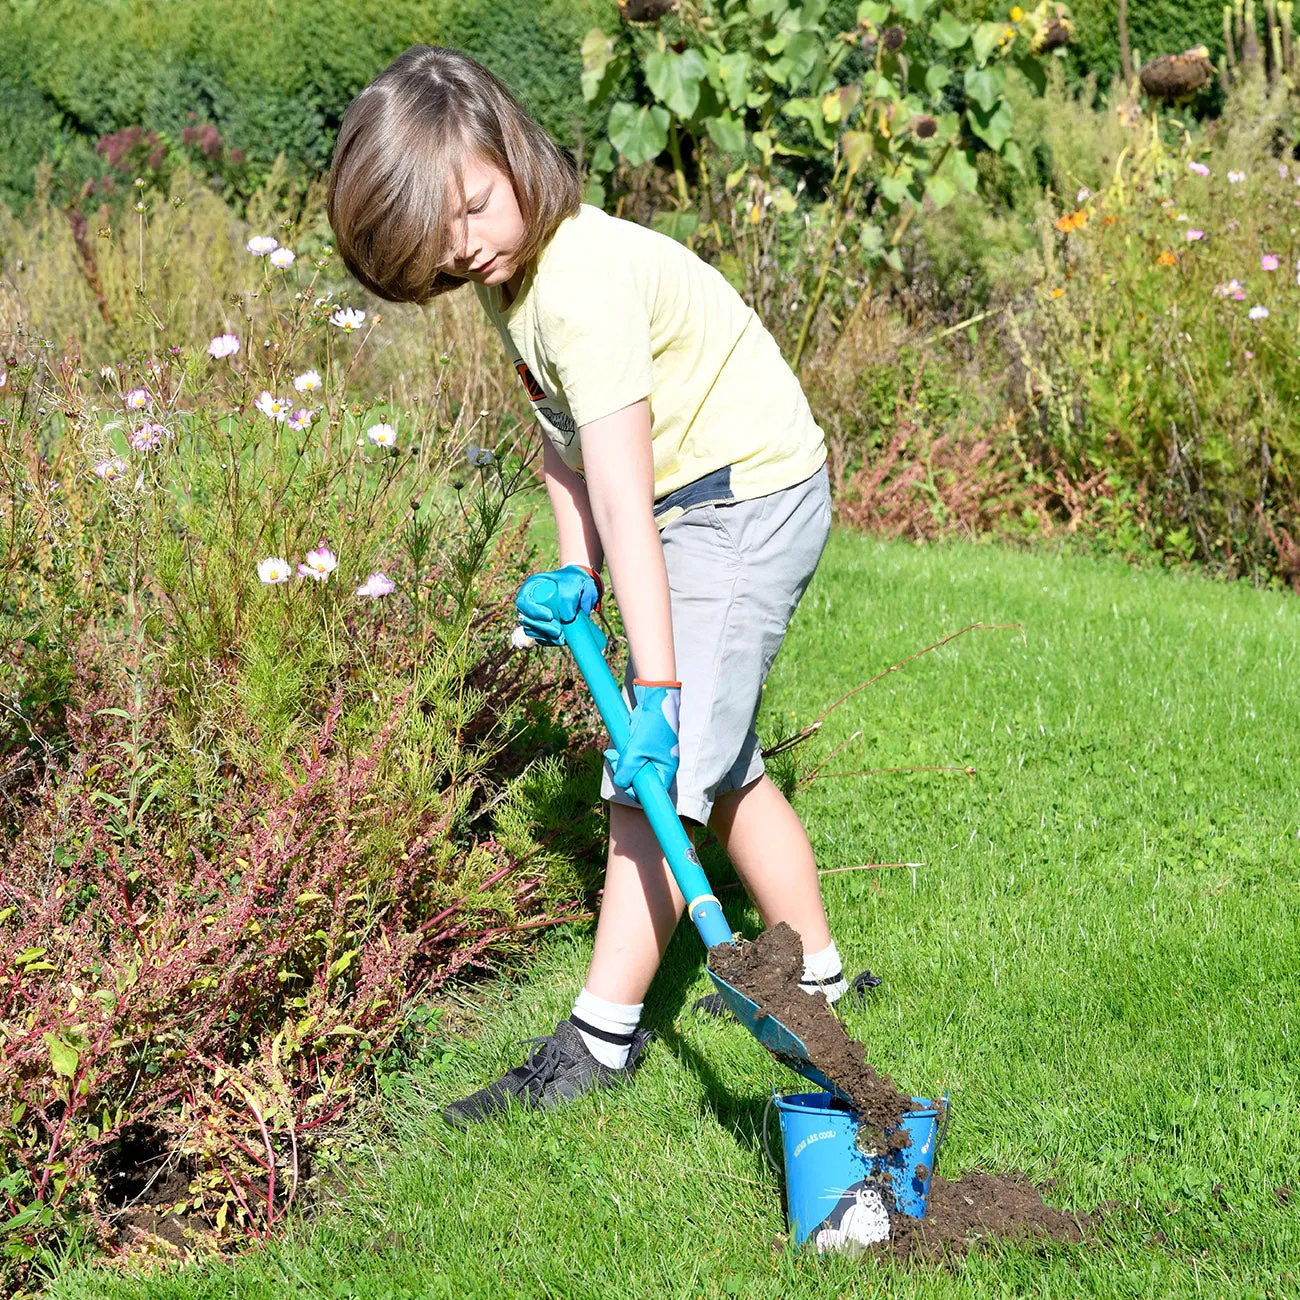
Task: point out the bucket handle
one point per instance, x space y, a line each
763 1132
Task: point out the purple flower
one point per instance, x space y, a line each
1258 313
1268 262
320 564
1199 168
1194 235
147 437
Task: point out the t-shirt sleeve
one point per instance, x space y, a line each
596 330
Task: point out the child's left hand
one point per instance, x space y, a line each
655 725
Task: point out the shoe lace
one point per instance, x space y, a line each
544 1062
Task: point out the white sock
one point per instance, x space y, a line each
606 1027
823 972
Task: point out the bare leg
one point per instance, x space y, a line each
768 845
638 912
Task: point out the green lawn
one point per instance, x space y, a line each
1097 956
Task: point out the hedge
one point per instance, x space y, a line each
73 71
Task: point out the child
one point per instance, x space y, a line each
679 449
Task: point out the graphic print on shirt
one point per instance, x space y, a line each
561 423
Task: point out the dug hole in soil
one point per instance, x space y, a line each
959 1214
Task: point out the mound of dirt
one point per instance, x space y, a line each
978 1208
767 971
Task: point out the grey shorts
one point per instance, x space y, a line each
736 571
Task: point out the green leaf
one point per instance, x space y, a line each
872 238
985 39
598 63
873 11
857 148
726 131
894 188
733 77
1033 71
912 10
594 192
733 271
803 50
893 258
62 1057
985 86
783 201
940 191
993 128
949 32
602 159
639 134
677 225
1011 152
960 167
674 79
937 76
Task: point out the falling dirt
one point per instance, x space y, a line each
767 971
980 1207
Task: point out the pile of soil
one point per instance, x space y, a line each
977 1208
767 971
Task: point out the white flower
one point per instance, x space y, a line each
307 382
1281 170
260 245
520 639
113 467
224 345
1258 313
348 319
274 569
478 456
382 435
301 418
376 585
1236 178
1083 195
282 257
274 408
137 399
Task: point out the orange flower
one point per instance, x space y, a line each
1167 258
1071 221
1108 221
1056 293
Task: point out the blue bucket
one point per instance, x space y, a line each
825 1171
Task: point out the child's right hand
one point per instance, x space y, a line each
547 601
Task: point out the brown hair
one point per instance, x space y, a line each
397 164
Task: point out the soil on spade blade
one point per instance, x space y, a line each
976 1208
767 971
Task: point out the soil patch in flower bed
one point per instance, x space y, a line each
767 971
979 1207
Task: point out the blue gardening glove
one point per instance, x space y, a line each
547 601
654 734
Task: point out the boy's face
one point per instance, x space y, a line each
491 225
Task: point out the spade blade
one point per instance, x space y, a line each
781 1041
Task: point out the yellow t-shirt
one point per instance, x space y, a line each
613 312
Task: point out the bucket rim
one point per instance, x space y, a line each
804 1102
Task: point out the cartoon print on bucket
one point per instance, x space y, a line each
858 1220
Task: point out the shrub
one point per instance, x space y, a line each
247 820
1158 345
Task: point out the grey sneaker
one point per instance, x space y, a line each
714 1004
558 1069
